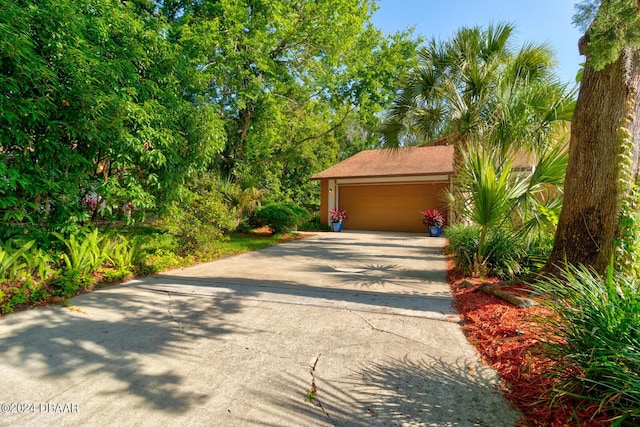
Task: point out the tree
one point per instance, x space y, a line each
287 79
601 199
475 89
95 102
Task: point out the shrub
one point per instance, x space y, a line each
200 221
463 245
302 215
281 216
313 224
597 323
507 254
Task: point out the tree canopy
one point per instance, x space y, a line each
476 86
95 100
120 103
291 80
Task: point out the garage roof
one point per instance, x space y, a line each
435 160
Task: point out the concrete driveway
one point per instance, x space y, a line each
337 329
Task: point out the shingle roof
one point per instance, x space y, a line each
412 161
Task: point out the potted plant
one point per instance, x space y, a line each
433 219
337 217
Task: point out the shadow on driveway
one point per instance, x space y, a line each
115 333
229 343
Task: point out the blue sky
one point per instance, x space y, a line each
541 21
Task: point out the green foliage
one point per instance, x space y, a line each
475 87
120 254
16 295
504 202
313 224
144 250
598 330
290 80
282 216
26 271
97 102
157 252
83 256
505 255
301 214
11 263
241 195
627 243
40 265
613 26
200 219
110 108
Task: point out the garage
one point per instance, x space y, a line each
390 207
386 190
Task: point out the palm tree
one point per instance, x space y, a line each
501 198
475 90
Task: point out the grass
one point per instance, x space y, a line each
240 243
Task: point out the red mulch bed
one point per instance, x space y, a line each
510 341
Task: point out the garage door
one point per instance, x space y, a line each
391 207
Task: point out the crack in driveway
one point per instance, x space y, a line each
312 395
383 330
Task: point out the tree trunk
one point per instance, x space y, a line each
459 198
589 219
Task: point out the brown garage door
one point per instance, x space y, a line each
391 207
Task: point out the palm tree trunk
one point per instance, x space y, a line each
459 198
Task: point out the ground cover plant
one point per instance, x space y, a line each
512 341
505 254
33 276
574 359
596 325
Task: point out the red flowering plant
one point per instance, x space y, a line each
338 215
432 217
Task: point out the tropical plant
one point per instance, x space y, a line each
505 255
40 264
121 254
242 195
83 256
490 192
11 265
338 215
475 86
498 196
432 217
597 330
474 89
